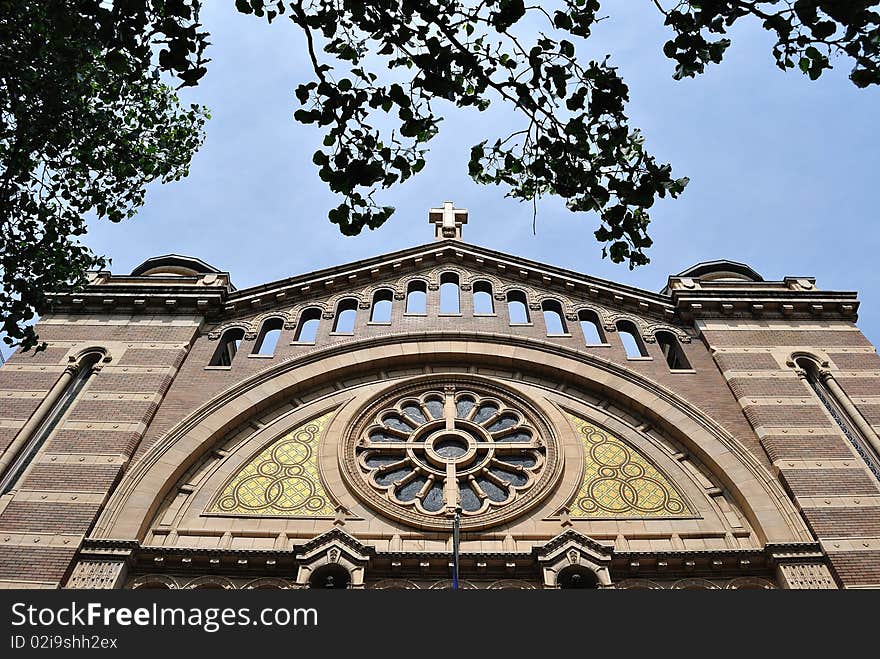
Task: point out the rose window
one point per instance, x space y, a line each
429 451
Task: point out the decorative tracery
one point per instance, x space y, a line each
282 480
619 482
426 452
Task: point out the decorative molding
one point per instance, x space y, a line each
806 576
95 574
585 368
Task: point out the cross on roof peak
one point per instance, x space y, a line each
447 221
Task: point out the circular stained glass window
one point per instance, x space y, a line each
420 453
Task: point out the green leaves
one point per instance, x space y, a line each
808 32
86 125
507 14
576 144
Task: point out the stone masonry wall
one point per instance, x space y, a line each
57 499
833 487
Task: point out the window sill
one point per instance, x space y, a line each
218 368
302 343
639 359
521 324
597 345
417 315
485 315
559 336
681 371
449 315
259 356
341 333
383 322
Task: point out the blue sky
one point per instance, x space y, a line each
784 171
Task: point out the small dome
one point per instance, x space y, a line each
721 270
174 265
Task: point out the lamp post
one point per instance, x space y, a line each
456 538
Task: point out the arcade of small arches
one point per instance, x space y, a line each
595 324
342 581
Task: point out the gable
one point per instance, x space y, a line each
608 305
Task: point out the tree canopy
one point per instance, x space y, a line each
86 122
88 117
575 141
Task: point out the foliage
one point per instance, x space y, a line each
85 124
575 141
87 121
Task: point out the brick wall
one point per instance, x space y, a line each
838 495
56 501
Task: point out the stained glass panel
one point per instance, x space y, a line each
283 480
620 482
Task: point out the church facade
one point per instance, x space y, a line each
334 429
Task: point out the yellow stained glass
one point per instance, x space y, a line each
282 480
619 482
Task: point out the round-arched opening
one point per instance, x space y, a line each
152 585
577 576
330 576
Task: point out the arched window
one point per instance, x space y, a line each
267 339
484 305
672 351
346 315
855 428
330 576
46 418
307 328
229 344
577 576
417 297
554 321
631 339
381 310
591 328
449 293
517 308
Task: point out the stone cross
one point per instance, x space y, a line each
447 221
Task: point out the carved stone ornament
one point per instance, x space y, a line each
421 450
806 576
96 574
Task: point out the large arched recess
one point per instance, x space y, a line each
759 495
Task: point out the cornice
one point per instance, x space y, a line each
453 252
684 299
776 303
141 298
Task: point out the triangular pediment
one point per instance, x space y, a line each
573 540
338 540
322 287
